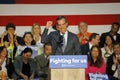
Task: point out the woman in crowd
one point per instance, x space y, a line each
36 31
24 65
96 63
10 40
3 69
83 35
107 50
6 66
28 39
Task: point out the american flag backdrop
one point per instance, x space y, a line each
99 14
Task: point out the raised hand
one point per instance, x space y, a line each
49 24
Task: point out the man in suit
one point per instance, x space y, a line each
114 32
93 40
63 41
42 62
113 62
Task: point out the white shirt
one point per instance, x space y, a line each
90 45
114 37
105 56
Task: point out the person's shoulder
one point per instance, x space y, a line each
118 34
72 34
18 37
18 57
39 56
88 33
87 44
53 32
105 33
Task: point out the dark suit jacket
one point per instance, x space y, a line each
85 49
18 64
102 38
72 48
41 65
109 70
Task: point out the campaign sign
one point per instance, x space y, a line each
68 61
34 50
93 76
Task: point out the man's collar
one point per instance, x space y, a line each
64 33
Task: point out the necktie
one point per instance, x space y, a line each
64 45
47 62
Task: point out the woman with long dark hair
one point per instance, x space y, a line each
107 50
96 63
6 66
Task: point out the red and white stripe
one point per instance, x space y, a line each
99 16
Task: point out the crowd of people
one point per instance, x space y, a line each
103 50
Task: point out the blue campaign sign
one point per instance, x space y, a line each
34 50
68 61
93 76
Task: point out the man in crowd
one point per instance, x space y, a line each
113 63
93 40
113 32
42 62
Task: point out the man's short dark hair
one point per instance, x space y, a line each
61 17
116 43
93 36
116 23
10 25
47 44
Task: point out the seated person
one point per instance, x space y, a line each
42 62
96 63
83 35
6 66
24 65
113 62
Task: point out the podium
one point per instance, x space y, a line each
67 67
